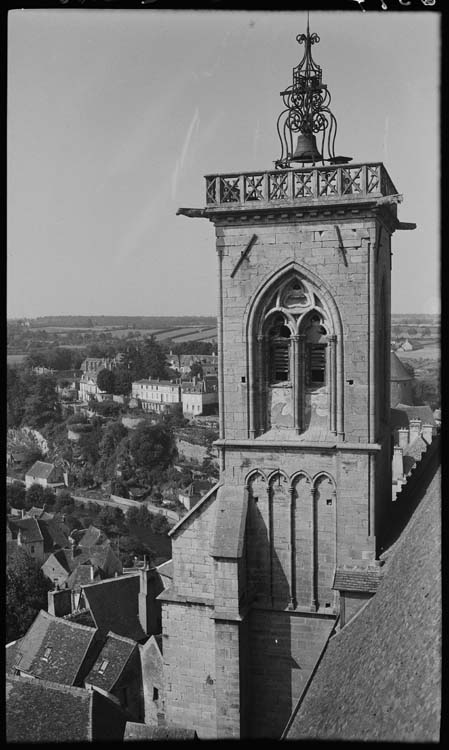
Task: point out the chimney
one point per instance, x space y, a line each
398 463
415 429
149 607
403 437
92 572
427 433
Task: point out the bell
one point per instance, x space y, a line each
306 149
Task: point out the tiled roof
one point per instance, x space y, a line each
357 579
42 711
114 604
398 371
54 649
111 662
40 470
28 527
380 677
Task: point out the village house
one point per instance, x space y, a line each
90 367
184 362
89 557
157 395
126 604
46 474
25 534
200 396
193 493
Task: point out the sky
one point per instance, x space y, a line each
115 116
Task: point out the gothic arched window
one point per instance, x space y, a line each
292 365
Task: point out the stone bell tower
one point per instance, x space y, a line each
304 356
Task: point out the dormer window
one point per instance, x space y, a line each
46 654
103 665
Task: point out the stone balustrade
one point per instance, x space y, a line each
296 186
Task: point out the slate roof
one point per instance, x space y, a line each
39 514
165 569
230 522
42 711
53 534
135 731
29 529
398 371
99 556
116 652
380 677
68 641
40 470
11 655
82 575
357 579
424 413
416 449
88 537
114 604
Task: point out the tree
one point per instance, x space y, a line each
131 547
106 380
140 517
196 369
119 488
15 495
107 408
48 498
152 446
34 496
123 380
26 593
160 525
41 405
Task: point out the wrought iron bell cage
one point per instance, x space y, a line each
307 114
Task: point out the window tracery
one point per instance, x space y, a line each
294 373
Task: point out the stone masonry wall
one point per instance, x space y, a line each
315 246
193 571
189 667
